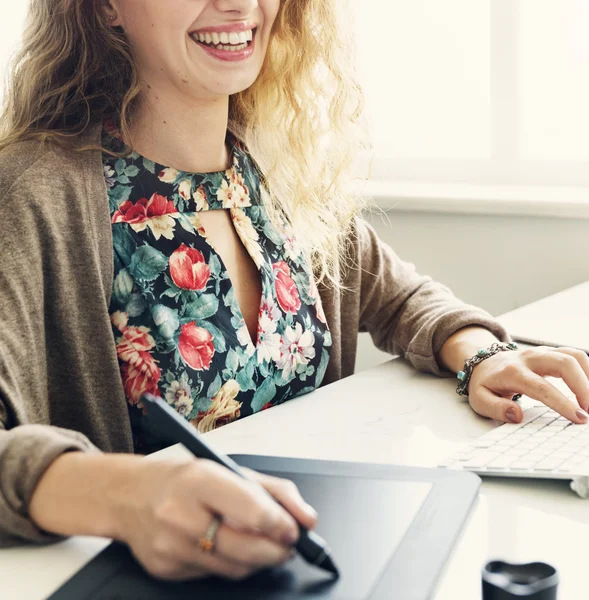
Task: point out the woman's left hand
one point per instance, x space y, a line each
497 379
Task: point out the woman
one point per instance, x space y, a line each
135 134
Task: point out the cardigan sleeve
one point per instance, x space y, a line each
407 313
28 445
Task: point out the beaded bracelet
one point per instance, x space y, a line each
469 364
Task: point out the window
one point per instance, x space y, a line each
477 91
11 26
464 91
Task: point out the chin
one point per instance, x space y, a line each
232 87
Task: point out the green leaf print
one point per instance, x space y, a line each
122 287
279 379
118 195
149 165
273 234
166 320
215 265
136 305
124 244
171 293
132 171
303 283
172 287
322 367
120 166
264 394
123 179
305 390
214 387
245 380
218 337
243 356
229 298
203 404
214 179
202 307
184 220
147 263
232 361
182 205
236 319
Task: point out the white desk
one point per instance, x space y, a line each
558 320
395 416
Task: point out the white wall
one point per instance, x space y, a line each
496 262
11 25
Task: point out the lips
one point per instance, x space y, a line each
226 45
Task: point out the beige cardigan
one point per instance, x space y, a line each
60 386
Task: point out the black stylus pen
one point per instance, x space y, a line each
310 546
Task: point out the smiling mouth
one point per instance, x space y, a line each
228 42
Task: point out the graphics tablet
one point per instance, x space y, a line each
391 530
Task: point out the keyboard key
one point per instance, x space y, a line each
548 464
518 451
502 461
524 465
543 443
484 443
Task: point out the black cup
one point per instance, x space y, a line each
533 581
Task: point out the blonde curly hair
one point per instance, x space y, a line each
301 120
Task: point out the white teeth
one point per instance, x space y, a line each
228 48
224 40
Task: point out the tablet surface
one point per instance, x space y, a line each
391 530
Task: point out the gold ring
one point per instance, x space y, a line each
207 541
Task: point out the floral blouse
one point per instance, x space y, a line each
179 331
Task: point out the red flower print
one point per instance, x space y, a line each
267 406
286 290
140 380
196 346
188 268
144 209
139 370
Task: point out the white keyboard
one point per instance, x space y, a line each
544 445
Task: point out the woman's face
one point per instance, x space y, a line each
205 48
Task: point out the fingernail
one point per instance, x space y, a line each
310 511
511 415
581 414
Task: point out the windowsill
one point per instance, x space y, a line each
457 198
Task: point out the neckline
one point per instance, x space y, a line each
232 187
112 141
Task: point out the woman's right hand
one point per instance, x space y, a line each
174 504
161 509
